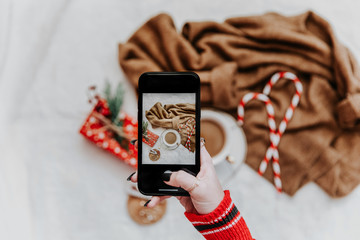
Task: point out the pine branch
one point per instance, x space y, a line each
144 130
114 102
118 99
107 91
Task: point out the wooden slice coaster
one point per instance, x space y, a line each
154 154
144 215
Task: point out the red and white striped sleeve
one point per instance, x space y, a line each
225 222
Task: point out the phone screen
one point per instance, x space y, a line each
169 112
169 128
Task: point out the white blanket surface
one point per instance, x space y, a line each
55 185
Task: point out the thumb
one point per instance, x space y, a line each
180 179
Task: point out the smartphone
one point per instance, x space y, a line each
169 129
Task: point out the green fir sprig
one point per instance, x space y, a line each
144 130
115 102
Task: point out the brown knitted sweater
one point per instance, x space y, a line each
322 141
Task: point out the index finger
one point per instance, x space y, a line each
205 157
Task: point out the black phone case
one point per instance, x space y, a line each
149 176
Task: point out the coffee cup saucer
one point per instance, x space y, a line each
175 144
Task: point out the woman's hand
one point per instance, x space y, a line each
205 190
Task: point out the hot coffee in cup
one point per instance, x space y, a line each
214 133
171 138
217 133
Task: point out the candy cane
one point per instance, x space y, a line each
190 131
295 100
275 135
187 144
272 150
283 124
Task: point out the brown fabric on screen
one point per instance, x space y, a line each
322 141
170 116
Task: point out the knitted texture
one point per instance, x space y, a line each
225 222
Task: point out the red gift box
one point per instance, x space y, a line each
94 129
150 139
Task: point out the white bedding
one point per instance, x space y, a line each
55 185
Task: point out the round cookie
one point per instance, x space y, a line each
154 154
144 215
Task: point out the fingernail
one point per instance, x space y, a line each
202 142
129 178
145 205
133 141
166 175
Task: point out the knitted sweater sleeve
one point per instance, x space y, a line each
225 222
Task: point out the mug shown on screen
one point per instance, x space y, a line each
171 138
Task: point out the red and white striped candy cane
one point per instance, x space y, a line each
275 136
295 100
283 124
187 145
269 108
272 150
190 131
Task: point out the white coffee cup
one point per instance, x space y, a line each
223 122
175 138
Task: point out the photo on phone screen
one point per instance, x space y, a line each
169 126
